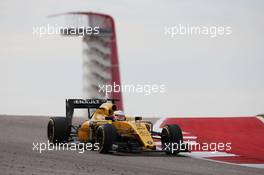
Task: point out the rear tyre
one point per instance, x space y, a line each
57 130
105 137
171 139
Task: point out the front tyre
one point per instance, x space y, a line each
57 130
105 137
171 139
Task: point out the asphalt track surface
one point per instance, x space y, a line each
17 156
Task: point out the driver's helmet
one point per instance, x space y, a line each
119 115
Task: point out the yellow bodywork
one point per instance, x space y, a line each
129 128
83 132
106 109
137 130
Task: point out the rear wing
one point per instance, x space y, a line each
88 104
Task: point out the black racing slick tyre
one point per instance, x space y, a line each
105 137
171 139
57 130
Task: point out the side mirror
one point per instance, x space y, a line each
138 118
109 118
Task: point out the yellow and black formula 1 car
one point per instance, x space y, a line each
112 131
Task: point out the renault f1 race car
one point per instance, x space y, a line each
111 130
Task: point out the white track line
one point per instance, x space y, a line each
156 126
261 119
